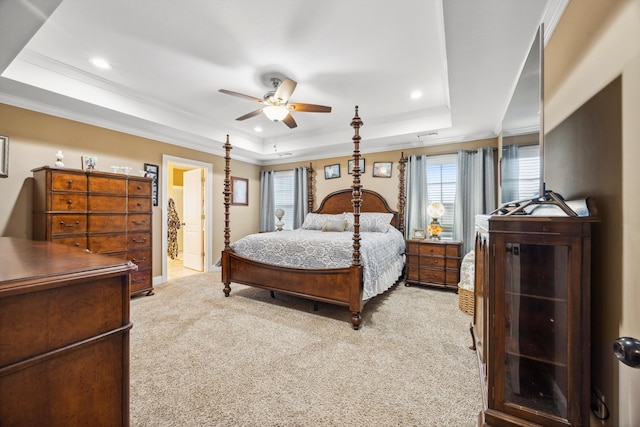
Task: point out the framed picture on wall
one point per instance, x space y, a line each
152 172
332 171
239 191
352 162
382 169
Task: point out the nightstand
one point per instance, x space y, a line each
433 263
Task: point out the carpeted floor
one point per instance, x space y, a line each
200 359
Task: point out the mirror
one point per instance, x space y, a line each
523 121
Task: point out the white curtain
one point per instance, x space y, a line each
300 196
417 201
267 201
476 193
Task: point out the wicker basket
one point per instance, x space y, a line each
466 300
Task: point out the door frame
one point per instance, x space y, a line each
208 203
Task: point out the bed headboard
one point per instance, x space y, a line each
340 201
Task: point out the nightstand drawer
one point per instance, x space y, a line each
432 249
432 276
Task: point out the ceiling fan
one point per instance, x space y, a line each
276 103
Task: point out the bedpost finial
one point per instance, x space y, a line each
356 121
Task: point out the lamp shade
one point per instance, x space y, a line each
435 210
275 112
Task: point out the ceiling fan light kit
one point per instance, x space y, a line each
277 107
275 112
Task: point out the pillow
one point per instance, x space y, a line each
335 224
379 222
314 221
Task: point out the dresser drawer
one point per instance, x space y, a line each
68 202
79 241
141 258
139 188
139 240
453 263
433 262
103 184
139 205
432 249
107 243
140 281
433 276
107 203
454 251
68 224
452 277
139 222
66 181
100 223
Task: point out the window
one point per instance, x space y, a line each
283 188
527 180
442 174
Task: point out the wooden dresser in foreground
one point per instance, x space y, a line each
433 263
64 336
106 213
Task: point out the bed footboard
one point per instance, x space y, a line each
340 286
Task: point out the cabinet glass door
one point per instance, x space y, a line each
536 279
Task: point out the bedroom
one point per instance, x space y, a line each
577 68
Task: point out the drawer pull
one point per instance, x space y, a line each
144 279
139 187
69 202
139 222
69 225
138 260
70 182
77 244
139 204
144 239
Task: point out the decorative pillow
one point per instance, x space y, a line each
379 222
314 221
335 224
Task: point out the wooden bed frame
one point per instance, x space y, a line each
340 286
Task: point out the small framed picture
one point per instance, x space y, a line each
419 233
89 163
4 156
382 169
352 162
332 171
239 191
153 172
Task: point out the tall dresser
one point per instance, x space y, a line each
102 212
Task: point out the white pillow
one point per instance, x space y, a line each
335 224
379 222
314 221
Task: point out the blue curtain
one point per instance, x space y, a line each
476 193
510 173
417 202
300 196
267 201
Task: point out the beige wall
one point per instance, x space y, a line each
594 44
34 139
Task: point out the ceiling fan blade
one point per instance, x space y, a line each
309 108
284 91
240 95
288 120
249 115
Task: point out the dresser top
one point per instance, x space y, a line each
29 264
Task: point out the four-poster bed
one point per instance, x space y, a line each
347 285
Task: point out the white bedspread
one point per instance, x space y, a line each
382 254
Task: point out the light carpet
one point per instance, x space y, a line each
200 359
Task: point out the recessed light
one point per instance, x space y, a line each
257 129
416 94
100 63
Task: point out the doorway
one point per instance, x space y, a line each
187 183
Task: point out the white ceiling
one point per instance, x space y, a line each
169 59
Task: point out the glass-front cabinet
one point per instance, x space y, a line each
533 348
